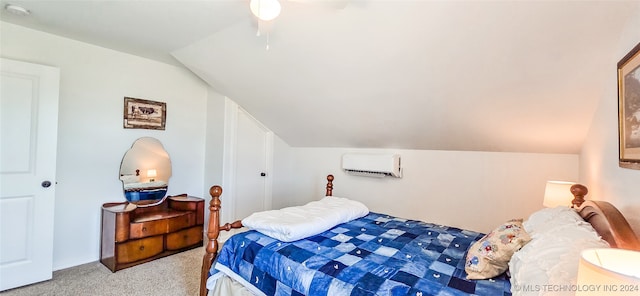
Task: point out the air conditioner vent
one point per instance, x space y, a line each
372 165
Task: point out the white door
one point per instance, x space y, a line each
251 166
28 126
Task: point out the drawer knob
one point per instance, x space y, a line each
144 229
141 248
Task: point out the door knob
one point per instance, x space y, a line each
263 174
46 184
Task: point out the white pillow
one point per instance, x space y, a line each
126 179
294 223
549 217
552 256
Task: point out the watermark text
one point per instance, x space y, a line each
616 288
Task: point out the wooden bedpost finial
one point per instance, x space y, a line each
329 185
578 191
215 191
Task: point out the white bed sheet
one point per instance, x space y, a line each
226 286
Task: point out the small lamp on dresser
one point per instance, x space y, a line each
608 271
152 174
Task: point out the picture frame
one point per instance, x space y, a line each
144 114
629 109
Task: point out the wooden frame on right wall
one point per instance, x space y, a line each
629 109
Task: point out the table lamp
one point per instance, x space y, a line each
557 193
152 174
608 271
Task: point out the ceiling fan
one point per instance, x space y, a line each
267 10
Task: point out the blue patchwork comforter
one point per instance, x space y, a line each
374 255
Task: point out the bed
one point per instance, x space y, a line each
378 254
135 190
145 191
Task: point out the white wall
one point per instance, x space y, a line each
472 190
91 139
599 168
214 144
283 175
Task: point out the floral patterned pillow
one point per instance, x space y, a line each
490 256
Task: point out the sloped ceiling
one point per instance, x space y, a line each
516 76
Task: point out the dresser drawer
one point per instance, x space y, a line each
139 249
147 228
185 220
184 238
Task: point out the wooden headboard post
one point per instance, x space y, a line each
213 231
329 185
578 191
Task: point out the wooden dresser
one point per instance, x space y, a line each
134 234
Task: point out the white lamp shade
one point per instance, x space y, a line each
608 272
557 193
265 10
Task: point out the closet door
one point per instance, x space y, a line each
251 166
28 125
247 163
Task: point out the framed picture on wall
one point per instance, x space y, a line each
145 114
629 109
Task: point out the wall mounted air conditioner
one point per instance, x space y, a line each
372 165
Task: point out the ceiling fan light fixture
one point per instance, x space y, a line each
265 10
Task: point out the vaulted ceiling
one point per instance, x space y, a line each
517 76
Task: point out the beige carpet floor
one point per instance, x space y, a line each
174 275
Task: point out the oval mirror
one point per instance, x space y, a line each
145 171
